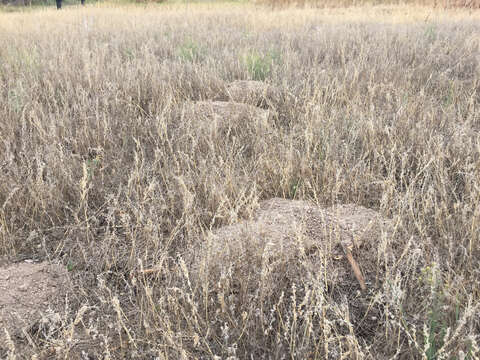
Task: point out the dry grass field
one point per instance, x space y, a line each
121 161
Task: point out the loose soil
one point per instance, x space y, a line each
292 228
29 294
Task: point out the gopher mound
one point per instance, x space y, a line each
221 120
252 92
295 250
27 292
225 113
292 229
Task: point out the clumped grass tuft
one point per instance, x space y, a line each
190 51
101 169
260 66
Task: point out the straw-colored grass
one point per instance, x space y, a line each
468 4
101 169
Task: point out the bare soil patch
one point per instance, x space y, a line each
27 292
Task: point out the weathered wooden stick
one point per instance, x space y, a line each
355 267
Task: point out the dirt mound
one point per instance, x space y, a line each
285 230
223 111
219 118
252 92
27 291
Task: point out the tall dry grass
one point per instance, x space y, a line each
100 170
468 4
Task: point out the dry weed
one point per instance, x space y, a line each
103 169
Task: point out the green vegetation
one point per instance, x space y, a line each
260 66
190 51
